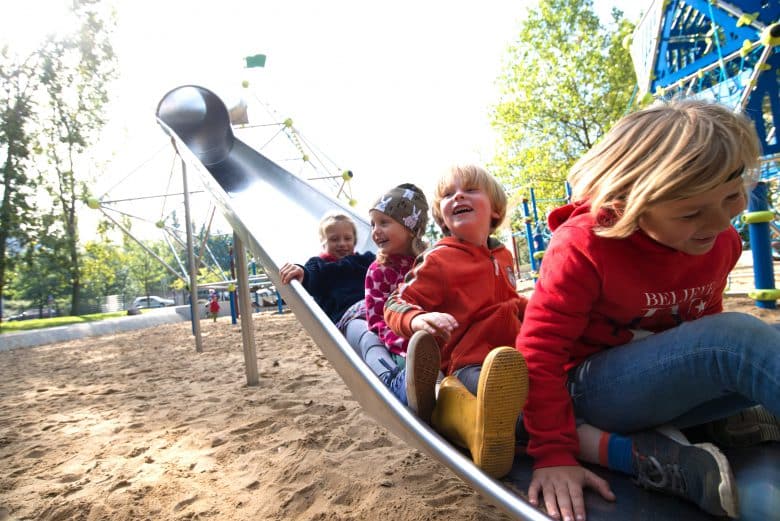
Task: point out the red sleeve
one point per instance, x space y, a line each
420 292
556 316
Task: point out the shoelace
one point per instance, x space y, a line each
392 371
653 475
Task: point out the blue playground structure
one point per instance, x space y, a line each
727 52
536 231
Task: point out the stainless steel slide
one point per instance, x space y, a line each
276 215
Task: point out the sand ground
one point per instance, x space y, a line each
138 425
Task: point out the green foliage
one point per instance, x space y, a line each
432 233
219 247
102 262
17 86
40 271
567 79
74 74
145 275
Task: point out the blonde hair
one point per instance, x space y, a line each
666 152
470 176
331 218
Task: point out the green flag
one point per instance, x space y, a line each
258 60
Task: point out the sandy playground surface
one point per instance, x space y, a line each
140 426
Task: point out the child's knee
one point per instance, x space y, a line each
729 328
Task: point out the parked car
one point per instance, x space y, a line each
266 296
32 313
152 302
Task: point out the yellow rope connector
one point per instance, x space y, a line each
747 19
765 294
353 202
539 254
771 35
288 123
764 216
346 175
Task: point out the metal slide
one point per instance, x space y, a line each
276 215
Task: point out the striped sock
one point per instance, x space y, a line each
615 453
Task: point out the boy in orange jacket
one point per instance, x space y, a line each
462 291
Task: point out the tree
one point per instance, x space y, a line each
39 272
567 80
146 275
75 74
17 85
102 268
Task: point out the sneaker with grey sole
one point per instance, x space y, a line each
745 429
699 473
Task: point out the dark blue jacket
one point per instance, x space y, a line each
336 285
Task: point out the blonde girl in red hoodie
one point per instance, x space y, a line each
626 330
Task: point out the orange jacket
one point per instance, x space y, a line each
474 284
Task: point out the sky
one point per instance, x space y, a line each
394 91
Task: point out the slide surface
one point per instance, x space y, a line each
276 215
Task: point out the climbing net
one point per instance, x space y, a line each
727 52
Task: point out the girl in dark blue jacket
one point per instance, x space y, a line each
336 277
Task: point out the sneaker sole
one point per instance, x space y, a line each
501 396
727 490
421 374
751 427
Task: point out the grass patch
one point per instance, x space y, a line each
39 323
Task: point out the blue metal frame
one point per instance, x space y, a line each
683 53
682 49
686 64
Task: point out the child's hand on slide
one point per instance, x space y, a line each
290 271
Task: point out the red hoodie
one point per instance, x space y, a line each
595 293
474 284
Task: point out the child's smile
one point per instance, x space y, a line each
392 237
467 212
340 241
693 224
